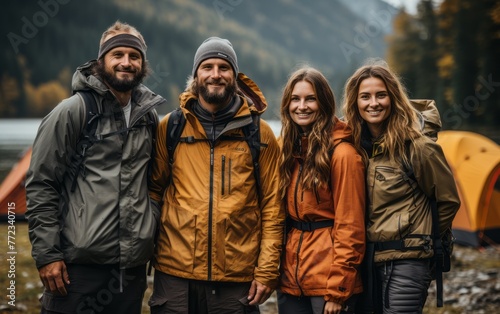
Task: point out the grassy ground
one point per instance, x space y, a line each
27 286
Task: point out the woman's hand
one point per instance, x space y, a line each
332 308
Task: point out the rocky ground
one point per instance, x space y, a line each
473 284
471 287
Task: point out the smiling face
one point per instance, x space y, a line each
303 106
374 104
216 83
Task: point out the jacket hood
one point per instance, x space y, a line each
247 89
429 119
84 79
341 132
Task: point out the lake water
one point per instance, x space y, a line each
17 135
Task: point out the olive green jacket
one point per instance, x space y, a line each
399 209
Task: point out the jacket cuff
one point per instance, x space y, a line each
340 301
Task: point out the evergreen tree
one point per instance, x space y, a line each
427 73
403 52
465 53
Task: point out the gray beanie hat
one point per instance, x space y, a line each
215 47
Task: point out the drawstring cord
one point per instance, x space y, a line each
386 291
121 280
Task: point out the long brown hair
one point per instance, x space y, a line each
316 167
401 124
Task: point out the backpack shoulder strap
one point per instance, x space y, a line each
252 136
175 125
91 112
87 136
153 117
438 257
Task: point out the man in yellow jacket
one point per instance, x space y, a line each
220 238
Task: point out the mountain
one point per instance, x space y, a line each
45 41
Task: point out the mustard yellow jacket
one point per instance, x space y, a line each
212 226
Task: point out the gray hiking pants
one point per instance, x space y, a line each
404 285
174 295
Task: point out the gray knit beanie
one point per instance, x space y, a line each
215 47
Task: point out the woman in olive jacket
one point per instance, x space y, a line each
386 129
323 190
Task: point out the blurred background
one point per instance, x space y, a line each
446 50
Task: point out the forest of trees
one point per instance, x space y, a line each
452 54
449 52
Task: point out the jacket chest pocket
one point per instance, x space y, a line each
235 175
388 186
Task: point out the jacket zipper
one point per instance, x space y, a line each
297 268
223 174
210 211
318 200
302 232
297 191
229 170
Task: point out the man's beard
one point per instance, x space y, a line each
216 98
120 85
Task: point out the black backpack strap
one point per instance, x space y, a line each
153 121
438 253
175 125
409 176
252 136
87 136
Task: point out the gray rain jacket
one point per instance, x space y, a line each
108 218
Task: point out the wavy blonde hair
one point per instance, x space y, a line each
401 124
316 167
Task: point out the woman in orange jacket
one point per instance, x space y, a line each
323 190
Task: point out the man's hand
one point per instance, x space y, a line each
54 277
258 293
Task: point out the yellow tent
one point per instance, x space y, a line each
475 161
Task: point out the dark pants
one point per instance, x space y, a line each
404 285
184 296
99 289
289 304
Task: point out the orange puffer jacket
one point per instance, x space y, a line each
325 262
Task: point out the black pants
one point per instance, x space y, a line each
404 285
289 304
99 289
184 296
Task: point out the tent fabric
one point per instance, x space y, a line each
475 161
12 192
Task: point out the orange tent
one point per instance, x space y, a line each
475 161
12 192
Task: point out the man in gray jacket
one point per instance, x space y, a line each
91 225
